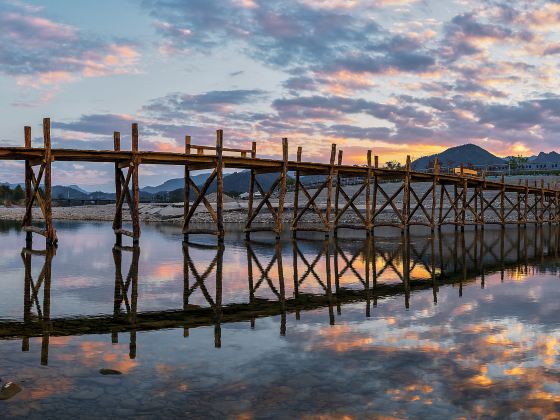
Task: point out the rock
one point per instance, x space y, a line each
106 371
8 390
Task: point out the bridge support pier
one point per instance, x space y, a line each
351 201
33 191
311 204
279 184
217 174
122 190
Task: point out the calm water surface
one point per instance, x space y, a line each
455 325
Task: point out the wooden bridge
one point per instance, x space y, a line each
461 200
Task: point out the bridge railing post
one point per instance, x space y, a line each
135 186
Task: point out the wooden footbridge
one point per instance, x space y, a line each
461 200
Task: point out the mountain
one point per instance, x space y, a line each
235 183
467 154
78 188
175 183
238 182
543 157
61 192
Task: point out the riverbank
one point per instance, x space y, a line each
235 211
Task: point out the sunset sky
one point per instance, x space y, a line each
395 76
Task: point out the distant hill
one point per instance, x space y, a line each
543 157
238 182
467 154
234 184
61 192
175 183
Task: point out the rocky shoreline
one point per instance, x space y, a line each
235 211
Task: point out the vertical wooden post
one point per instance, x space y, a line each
187 185
464 203
406 197
434 194
441 200
251 187
50 232
118 220
526 210
220 184
296 193
482 205
135 212
28 187
368 194
503 203
337 193
542 202
329 188
455 212
283 186
375 188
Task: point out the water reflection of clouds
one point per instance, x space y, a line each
477 352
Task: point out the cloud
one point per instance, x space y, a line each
319 37
42 54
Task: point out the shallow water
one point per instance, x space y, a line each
445 326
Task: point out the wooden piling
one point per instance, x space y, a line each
283 187
252 179
296 191
28 176
186 185
117 226
220 184
375 190
135 213
332 171
50 231
435 181
406 197
368 194
337 192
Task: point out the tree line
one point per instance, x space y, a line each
9 195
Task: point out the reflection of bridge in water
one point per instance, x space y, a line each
317 274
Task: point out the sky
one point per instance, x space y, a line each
395 76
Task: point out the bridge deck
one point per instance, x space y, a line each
199 162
